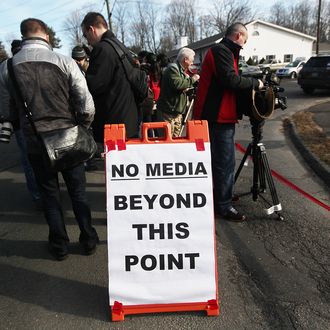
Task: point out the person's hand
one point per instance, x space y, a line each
196 77
261 84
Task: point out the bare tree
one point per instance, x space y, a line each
120 21
181 19
145 28
226 12
72 26
278 14
206 28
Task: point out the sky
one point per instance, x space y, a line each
53 13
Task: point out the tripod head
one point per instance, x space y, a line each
256 129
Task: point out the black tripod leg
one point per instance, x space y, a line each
256 172
277 207
246 155
261 170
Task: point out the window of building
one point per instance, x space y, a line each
288 58
270 57
255 33
255 59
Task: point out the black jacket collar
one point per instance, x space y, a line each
235 48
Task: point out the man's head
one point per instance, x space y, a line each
186 57
93 26
16 46
33 27
79 55
237 33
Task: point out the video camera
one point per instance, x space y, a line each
271 81
260 105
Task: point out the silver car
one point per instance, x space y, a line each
291 70
249 70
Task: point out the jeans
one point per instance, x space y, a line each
75 181
28 171
223 164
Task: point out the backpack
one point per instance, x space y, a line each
136 77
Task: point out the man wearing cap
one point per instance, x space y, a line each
79 55
217 101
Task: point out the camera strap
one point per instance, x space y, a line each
18 93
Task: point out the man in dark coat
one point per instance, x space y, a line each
219 93
111 91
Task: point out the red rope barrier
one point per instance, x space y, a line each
291 185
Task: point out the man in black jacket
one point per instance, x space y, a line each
219 97
111 91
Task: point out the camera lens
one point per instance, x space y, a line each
5 132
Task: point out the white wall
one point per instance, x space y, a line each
271 41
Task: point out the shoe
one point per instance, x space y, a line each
233 215
89 246
58 254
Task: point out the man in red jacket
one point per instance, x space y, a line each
217 102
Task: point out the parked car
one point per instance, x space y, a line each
315 74
271 66
291 70
249 70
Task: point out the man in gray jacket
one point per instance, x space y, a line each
57 96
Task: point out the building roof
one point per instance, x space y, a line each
278 27
210 41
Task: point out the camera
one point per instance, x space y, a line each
6 130
272 81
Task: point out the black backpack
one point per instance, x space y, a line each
136 77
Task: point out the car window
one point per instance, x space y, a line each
293 64
318 62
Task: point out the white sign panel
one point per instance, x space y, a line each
160 224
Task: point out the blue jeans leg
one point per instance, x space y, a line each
75 180
28 171
223 164
50 193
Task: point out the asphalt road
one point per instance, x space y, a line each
272 274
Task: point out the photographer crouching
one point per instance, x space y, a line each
218 92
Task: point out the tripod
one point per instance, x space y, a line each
261 170
186 116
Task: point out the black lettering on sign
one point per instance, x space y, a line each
170 261
175 169
130 170
139 231
165 201
158 231
120 202
153 169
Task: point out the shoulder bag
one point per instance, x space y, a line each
64 148
135 76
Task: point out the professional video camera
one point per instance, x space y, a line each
272 81
266 100
259 105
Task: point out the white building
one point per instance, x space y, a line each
270 41
266 40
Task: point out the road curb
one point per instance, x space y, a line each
321 169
